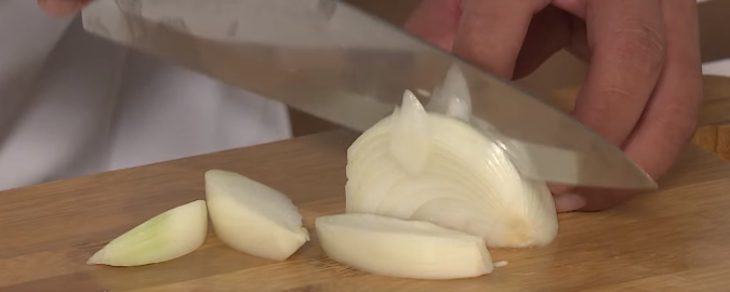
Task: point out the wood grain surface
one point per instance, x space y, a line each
674 240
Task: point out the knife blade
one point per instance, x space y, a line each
334 61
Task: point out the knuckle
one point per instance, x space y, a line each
641 42
611 97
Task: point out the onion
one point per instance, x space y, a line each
253 218
438 168
166 236
402 248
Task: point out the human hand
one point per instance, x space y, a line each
62 7
644 83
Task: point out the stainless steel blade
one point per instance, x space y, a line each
336 62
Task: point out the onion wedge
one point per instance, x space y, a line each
166 236
402 248
252 217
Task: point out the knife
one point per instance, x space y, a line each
334 61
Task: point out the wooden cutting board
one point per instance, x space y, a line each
674 239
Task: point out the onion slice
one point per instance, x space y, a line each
402 248
166 236
252 217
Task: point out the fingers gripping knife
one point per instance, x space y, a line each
334 61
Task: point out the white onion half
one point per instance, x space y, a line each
432 167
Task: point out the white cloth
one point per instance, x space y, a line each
720 67
73 104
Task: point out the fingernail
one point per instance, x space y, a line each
60 7
559 189
569 202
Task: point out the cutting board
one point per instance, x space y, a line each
674 239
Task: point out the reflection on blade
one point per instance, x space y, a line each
326 58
